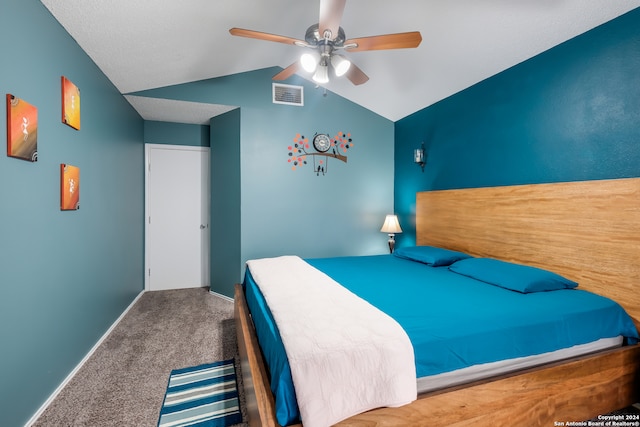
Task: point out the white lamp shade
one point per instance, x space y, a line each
322 74
309 62
391 225
340 64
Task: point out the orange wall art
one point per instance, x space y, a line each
70 104
22 129
69 187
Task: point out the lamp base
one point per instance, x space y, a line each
392 243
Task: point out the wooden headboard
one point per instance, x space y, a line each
587 231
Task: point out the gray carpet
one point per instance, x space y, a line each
123 383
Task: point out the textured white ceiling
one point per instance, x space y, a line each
167 110
144 44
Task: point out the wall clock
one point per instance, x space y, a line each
322 142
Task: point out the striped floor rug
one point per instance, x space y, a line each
203 396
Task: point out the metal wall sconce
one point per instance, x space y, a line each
419 156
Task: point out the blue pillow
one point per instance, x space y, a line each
516 277
430 255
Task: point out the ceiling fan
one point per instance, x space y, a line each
326 39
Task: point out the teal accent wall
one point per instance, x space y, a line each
226 214
285 211
65 277
571 113
176 133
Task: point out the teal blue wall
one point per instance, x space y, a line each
569 114
296 212
176 133
226 191
65 277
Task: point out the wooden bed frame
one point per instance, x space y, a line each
587 231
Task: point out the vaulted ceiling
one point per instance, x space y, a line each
145 44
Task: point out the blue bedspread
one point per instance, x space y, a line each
453 321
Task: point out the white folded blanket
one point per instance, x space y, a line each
346 356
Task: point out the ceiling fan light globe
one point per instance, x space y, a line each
309 62
340 64
321 75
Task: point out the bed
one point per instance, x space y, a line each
586 231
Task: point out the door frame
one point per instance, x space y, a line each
147 149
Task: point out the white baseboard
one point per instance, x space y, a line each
224 297
57 391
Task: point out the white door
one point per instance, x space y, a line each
177 217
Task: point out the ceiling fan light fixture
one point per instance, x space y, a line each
322 74
309 61
340 64
325 39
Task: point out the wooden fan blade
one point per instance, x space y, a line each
330 16
241 32
356 75
387 41
288 72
